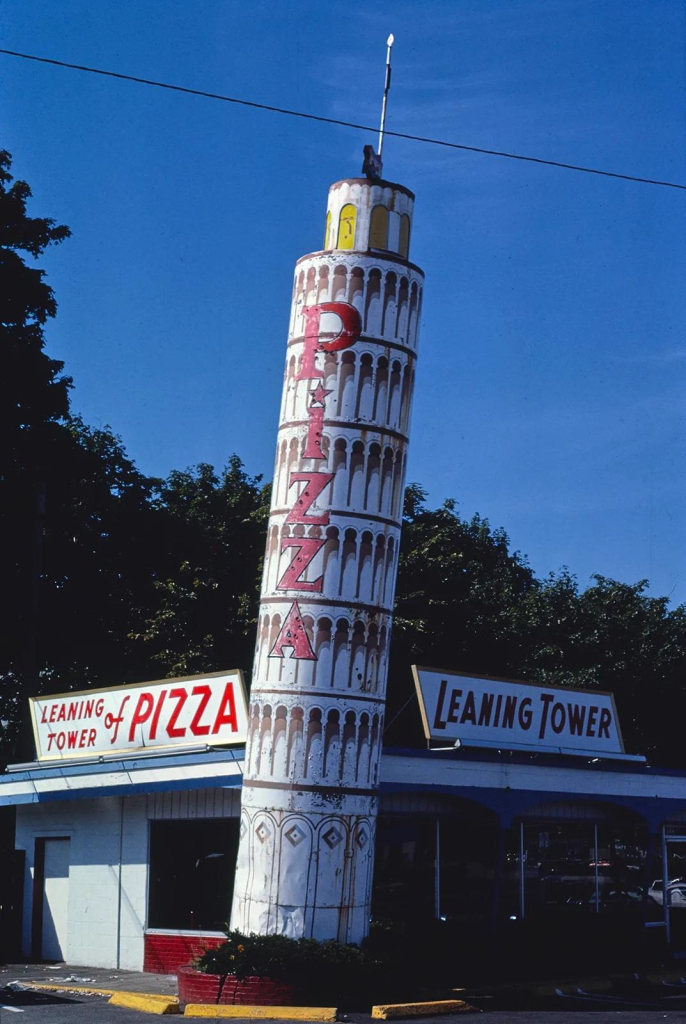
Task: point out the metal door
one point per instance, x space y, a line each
55 899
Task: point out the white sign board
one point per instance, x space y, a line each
169 712
514 715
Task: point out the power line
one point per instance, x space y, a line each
396 716
344 124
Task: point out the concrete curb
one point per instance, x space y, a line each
85 990
309 1013
145 1002
393 1011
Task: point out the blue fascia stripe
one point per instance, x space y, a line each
125 764
133 789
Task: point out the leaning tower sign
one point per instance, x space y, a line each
309 798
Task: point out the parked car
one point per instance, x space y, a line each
610 897
676 890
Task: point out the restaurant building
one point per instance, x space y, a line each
128 853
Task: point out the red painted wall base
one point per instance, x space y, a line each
164 953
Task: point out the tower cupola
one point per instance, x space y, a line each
369 216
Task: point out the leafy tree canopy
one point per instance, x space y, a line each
204 614
465 602
117 577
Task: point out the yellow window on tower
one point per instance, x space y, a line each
378 228
404 243
327 230
346 227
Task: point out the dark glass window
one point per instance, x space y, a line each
404 872
192 865
468 850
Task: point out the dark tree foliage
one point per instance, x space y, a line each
34 394
85 569
613 637
115 577
204 614
34 403
464 602
103 537
457 594
112 577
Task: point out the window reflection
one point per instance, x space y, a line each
191 873
404 868
547 866
583 865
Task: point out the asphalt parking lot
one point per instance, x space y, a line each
631 1004
46 1007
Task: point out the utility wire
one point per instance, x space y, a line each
344 124
397 716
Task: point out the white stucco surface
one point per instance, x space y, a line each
108 870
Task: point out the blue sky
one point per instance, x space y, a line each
550 391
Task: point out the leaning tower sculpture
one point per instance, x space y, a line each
309 799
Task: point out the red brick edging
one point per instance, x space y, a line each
196 987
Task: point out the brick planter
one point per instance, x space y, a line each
196 987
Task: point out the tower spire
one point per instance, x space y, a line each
387 85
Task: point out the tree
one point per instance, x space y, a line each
464 602
457 593
205 613
79 523
34 403
101 536
116 577
613 637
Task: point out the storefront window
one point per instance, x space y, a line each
583 865
549 867
406 882
622 853
404 871
192 865
558 866
467 870
674 868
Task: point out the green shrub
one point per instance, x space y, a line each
262 956
392 965
318 970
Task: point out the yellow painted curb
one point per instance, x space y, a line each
396 1010
597 985
669 976
314 1013
145 1002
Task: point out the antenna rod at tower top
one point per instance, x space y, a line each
387 85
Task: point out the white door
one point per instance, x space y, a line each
55 899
